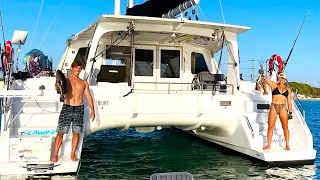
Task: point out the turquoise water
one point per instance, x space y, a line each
111 154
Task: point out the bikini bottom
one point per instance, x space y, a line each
278 107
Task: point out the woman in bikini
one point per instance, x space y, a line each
281 95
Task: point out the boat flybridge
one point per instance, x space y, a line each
147 73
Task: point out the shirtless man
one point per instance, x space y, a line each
73 111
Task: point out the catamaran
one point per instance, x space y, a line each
147 70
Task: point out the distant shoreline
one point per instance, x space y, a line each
308 99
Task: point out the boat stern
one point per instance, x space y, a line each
278 156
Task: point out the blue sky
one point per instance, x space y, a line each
274 27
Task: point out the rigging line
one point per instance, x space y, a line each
286 62
224 21
2 29
51 23
35 27
202 12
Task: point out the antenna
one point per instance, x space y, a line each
4 44
252 73
19 38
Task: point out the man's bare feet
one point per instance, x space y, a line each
267 147
54 159
73 158
287 148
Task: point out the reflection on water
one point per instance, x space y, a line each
111 154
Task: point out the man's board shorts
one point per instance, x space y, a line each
71 114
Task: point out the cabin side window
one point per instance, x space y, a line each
143 62
198 63
170 63
116 68
81 56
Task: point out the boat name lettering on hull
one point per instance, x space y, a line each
38 132
22 157
25 151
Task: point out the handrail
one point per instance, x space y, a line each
16 93
249 125
21 93
301 107
8 125
303 115
296 96
177 83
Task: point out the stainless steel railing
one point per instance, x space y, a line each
201 86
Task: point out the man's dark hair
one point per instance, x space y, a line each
76 63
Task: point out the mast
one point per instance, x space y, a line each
130 3
116 7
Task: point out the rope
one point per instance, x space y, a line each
35 27
51 22
202 12
224 21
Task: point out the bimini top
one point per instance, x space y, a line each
153 8
88 32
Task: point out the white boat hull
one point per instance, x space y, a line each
162 87
276 156
210 117
63 168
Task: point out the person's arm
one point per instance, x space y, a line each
90 100
289 99
269 82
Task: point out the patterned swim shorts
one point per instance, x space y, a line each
70 114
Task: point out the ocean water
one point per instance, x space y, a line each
111 154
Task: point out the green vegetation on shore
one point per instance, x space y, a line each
305 89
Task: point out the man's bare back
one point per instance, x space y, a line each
76 88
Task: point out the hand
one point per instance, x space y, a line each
261 71
92 116
290 115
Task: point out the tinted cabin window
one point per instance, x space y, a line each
81 56
198 63
143 62
118 56
170 63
